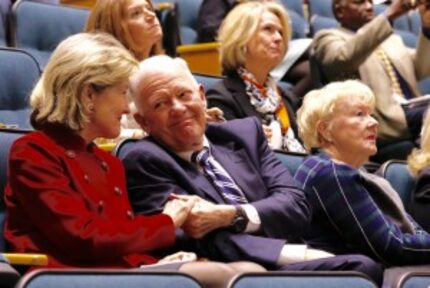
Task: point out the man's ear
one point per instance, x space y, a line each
141 120
202 95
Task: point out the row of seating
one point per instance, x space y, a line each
83 278
394 171
78 278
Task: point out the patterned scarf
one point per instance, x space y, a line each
268 103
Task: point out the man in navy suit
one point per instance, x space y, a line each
264 223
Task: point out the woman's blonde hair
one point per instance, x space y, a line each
320 105
83 59
420 158
240 25
108 16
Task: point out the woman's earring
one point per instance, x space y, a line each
245 49
90 107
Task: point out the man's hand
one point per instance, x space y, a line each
178 209
399 7
424 9
205 217
267 132
314 254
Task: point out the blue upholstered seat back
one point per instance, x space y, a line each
19 72
319 22
2 32
302 280
291 160
106 279
39 27
188 13
397 173
207 80
320 7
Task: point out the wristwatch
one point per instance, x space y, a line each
240 220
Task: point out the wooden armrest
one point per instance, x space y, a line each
164 6
26 259
202 58
201 47
108 147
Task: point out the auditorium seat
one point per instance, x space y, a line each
8 275
19 72
207 80
303 279
38 27
2 32
397 173
187 18
321 8
319 22
105 278
415 279
292 160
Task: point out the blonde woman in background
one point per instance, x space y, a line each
419 165
254 39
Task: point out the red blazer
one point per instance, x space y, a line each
69 201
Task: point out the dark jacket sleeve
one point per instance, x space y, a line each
219 96
211 14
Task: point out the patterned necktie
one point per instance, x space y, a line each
222 181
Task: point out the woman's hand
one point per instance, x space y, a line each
179 256
178 209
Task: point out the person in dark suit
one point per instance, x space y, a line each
250 48
67 198
247 206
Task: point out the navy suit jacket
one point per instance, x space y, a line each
153 172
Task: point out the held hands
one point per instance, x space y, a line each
178 209
205 217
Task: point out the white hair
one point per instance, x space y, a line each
153 68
